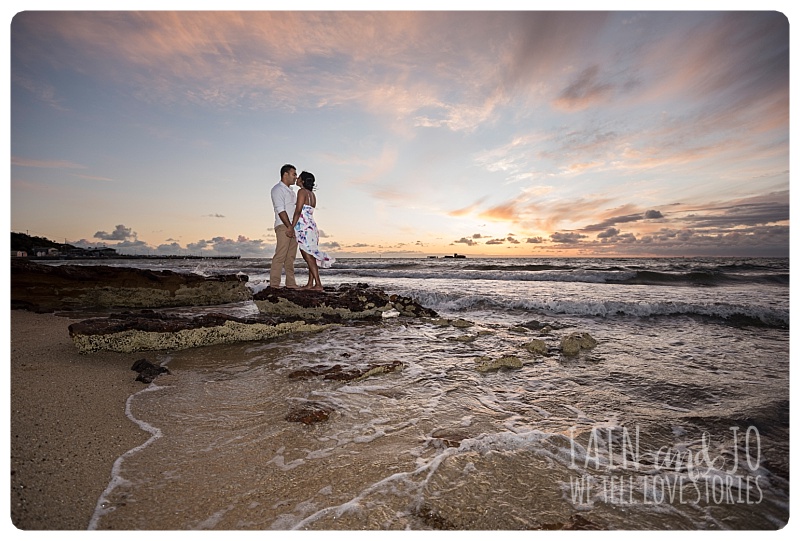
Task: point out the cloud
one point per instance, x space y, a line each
42 91
627 218
468 209
758 210
512 240
331 245
120 233
586 90
131 245
534 240
495 241
464 240
224 246
504 212
566 238
213 215
608 233
172 248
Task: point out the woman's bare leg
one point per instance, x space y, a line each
309 259
313 269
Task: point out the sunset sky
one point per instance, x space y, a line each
483 133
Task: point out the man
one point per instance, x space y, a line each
283 202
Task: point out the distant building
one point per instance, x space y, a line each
39 251
18 253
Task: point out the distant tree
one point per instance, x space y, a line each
26 243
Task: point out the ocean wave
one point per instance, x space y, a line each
604 276
729 313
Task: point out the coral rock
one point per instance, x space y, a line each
337 373
148 330
486 364
573 343
536 346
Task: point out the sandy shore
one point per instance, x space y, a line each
68 423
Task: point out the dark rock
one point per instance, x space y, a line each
148 371
45 288
309 413
346 302
433 519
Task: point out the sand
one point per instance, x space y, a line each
68 423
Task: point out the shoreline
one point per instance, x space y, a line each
67 420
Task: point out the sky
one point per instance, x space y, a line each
503 134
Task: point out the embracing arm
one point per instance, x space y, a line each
298 208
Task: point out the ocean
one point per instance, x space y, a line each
677 419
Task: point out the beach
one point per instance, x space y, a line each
674 417
68 423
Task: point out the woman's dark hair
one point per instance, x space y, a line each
308 180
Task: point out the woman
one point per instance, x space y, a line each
305 231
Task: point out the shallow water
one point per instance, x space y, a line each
678 419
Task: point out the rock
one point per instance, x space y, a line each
444 322
543 328
486 364
449 437
463 338
148 330
345 302
574 342
337 373
45 288
536 346
519 329
432 519
309 413
148 371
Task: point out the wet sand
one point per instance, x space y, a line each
68 423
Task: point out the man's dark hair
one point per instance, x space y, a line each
286 168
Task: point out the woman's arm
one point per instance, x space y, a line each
298 209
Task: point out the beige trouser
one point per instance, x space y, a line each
283 260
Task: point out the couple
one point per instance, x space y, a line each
300 231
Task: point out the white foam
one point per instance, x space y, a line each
104 506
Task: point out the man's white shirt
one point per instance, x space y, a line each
283 199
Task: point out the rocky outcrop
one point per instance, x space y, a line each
487 364
536 346
573 343
309 413
338 373
348 301
45 288
147 330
